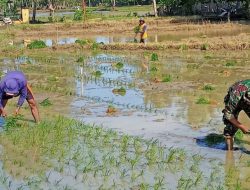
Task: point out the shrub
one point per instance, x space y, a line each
37 44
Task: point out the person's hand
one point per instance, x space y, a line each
245 130
17 110
4 114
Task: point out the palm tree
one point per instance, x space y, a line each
34 5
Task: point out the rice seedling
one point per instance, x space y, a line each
204 47
119 65
121 91
80 59
82 42
154 57
202 100
97 74
208 87
95 46
46 102
231 63
37 44
183 47
167 78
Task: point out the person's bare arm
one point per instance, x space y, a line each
239 125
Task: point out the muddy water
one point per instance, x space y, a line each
164 111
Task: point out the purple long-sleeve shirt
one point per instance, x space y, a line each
21 87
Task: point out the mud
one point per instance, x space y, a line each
166 111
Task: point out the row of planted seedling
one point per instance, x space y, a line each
145 108
93 158
102 81
115 68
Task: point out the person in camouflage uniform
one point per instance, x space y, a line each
236 100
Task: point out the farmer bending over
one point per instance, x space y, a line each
15 84
237 99
143 31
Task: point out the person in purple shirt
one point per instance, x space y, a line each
14 84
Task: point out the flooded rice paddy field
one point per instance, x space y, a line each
174 97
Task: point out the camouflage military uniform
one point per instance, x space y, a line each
237 99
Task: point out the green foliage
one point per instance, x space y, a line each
63 19
167 78
81 42
231 63
51 19
37 44
97 74
213 139
46 102
12 122
203 100
121 91
208 87
78 15
119 65
95 46
154 57
239 135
